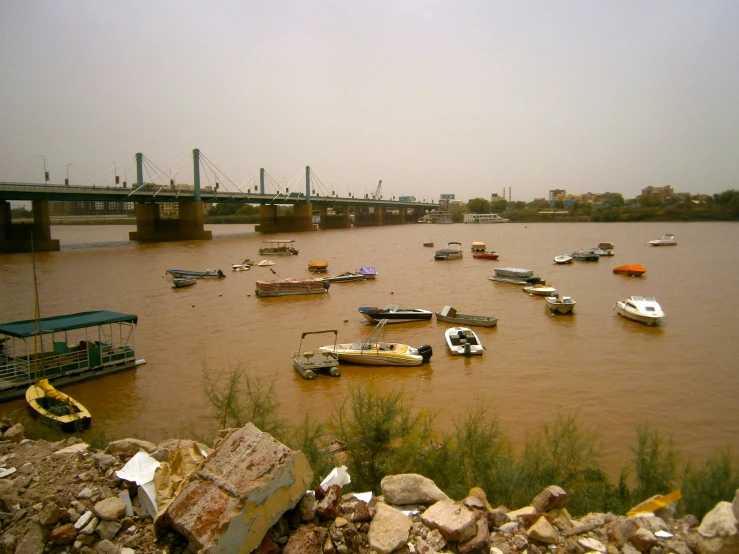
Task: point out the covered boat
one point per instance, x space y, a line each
463 341
450 315
515 275
368 271
394 314
277 247
478 246
66 348
560 305
453 251
375 350
290 286
634 270
207 274
429 243
317 266
643 309
585 256
48 403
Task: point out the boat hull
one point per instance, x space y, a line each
442 256
468 320
375 315
486 255
184 273
400 355
46 402
560 307
634 270
181 282
463 342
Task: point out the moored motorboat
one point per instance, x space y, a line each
515 275
666 240
463 341
265 263
453 251
644 309
560 305
289 287
47 402
375 350
309 363
634 270
429 243
181 282
540 290
450 315
346 277
562 259
278 248
207 274
394 314
369 272
240 267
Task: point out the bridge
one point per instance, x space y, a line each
334 211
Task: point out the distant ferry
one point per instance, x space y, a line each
484 218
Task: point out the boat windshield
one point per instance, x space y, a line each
371 341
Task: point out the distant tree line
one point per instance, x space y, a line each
722 206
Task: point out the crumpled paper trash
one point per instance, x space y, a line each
338 476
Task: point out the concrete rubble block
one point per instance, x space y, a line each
240 491
644 540
389 530
619 532
109 509
543 531
410 488
551 498
14 433
307 539
455 521
72 449
590 545
479 544
129 447
719 522
328 506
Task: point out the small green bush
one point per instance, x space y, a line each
655 463
704 487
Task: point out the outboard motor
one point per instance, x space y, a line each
467 349
425 351
326 284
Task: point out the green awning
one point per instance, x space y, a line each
56 324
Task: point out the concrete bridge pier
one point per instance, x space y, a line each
301 220
371 219
16 237
338 221
151 227
393 218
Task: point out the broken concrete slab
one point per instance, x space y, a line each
241 490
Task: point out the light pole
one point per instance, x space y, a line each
66 181
46 173
115 175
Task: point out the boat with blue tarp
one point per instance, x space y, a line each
65 349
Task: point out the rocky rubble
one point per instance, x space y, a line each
65 497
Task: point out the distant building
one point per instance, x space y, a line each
661 192
557 194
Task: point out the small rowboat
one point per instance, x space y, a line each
450 315
207 274
47 402
180 282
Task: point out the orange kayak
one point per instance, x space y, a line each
631 269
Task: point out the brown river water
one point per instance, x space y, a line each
614 374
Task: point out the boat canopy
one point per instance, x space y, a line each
27 328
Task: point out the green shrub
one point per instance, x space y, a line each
383 435
704 487
655 463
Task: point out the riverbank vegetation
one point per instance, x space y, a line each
377 432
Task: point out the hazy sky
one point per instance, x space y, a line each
431 96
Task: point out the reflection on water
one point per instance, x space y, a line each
615 373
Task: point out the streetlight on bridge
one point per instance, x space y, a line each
46 173
66 181
115 174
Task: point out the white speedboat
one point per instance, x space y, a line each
666 240
453 251
374 350
560 305
265 263
463 341
562 259
540 290
643 309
